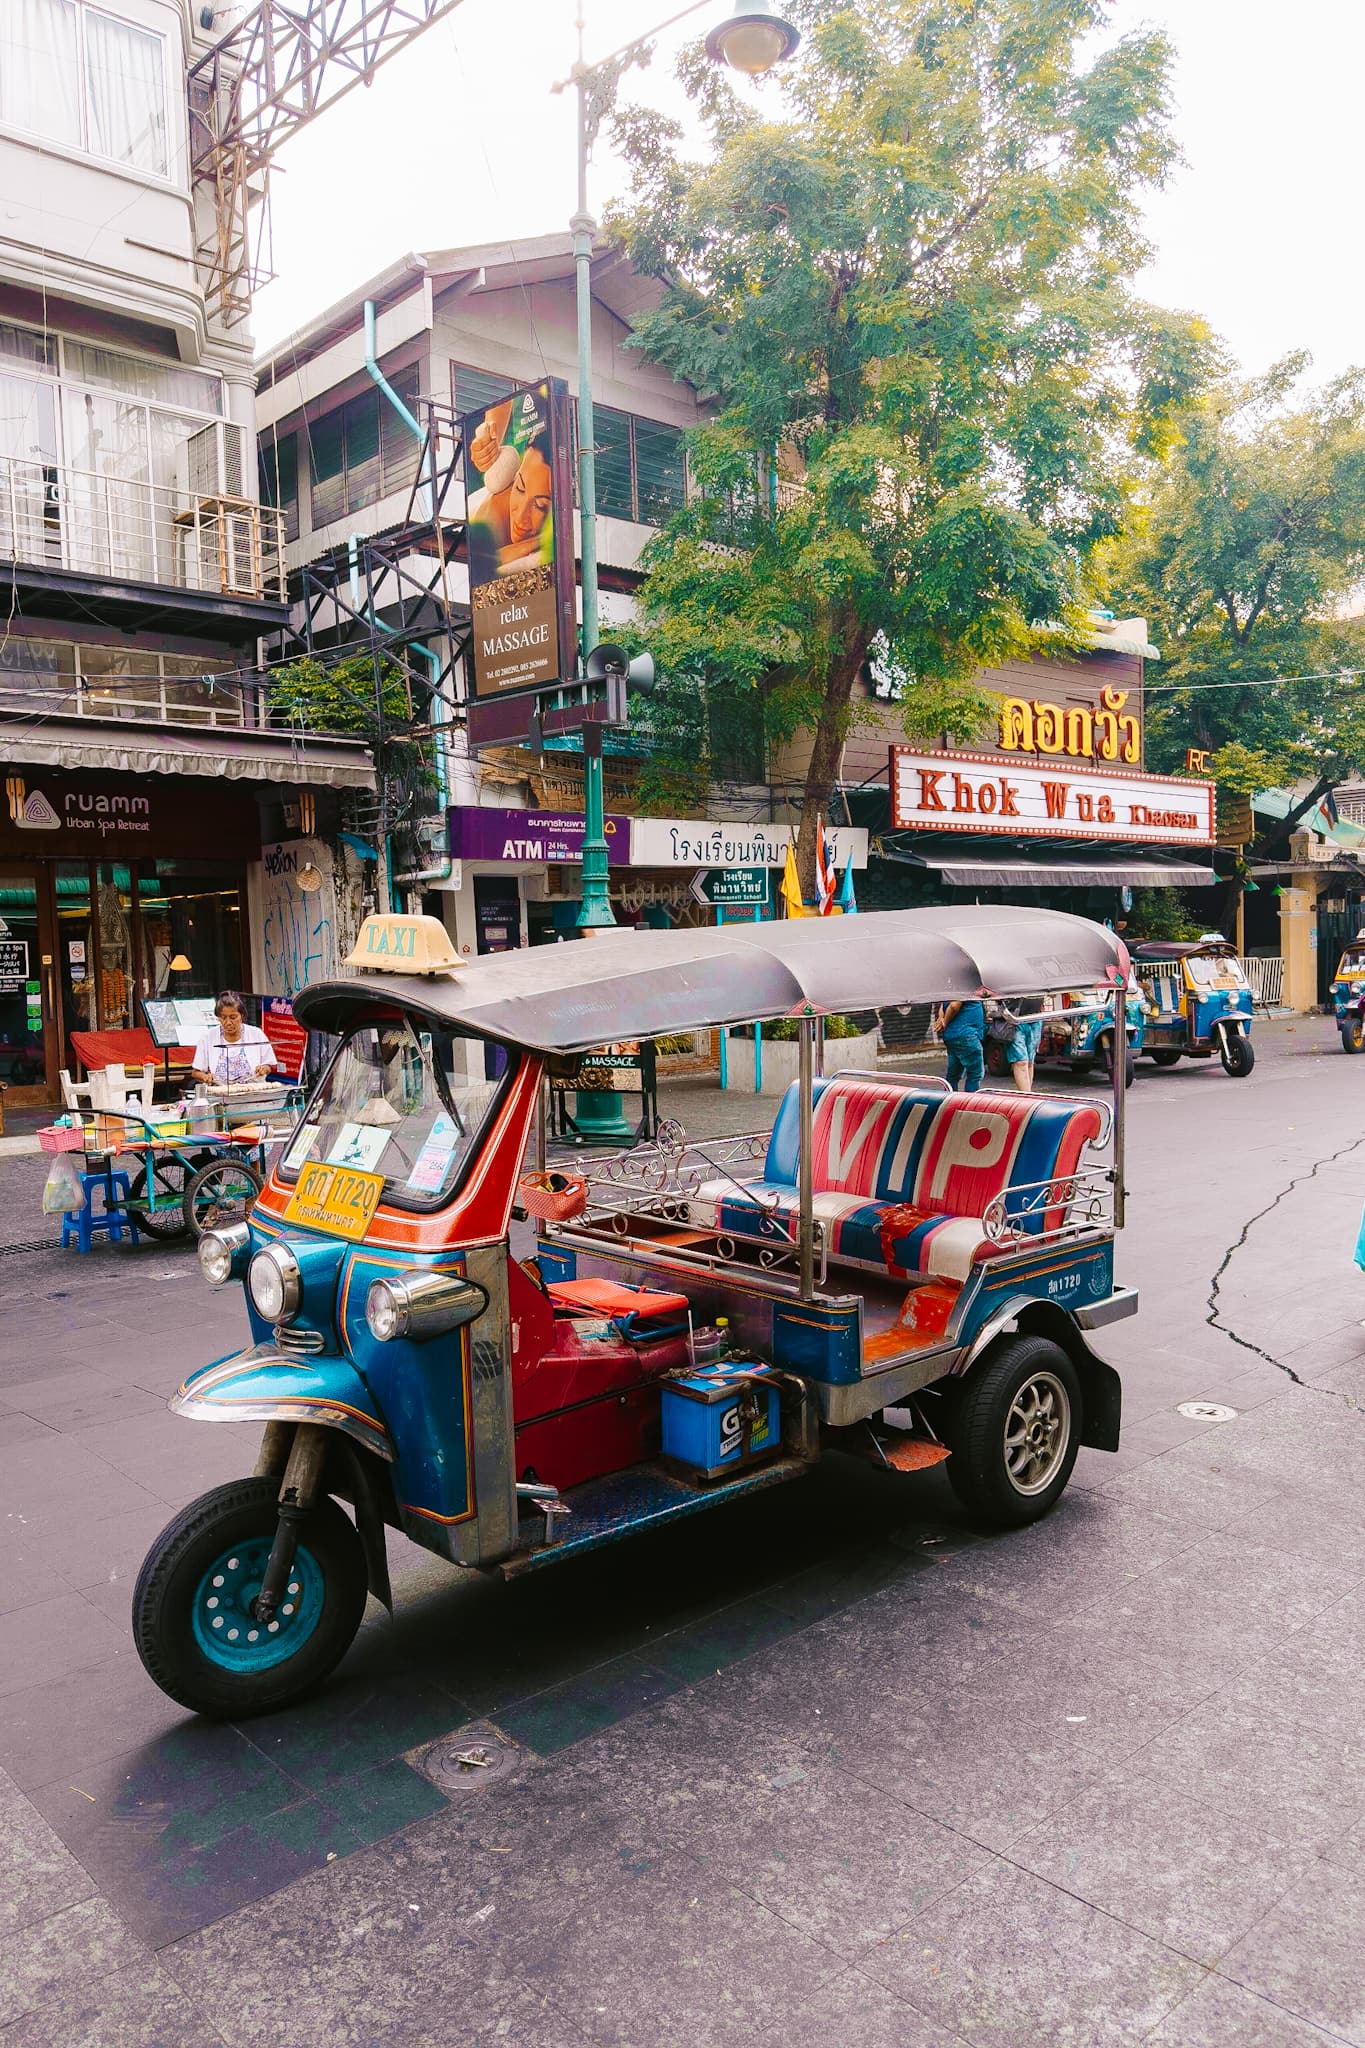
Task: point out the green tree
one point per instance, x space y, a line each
908 296
1243 554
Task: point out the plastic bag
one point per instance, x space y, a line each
62 1190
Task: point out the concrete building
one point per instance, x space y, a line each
138 569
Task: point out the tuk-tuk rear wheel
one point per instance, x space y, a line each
193 1624
1015 1432
1165 1056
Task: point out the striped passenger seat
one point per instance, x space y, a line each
902 1177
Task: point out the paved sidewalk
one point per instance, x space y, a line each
826 1768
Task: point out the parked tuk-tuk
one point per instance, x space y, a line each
1348 995
890 1270
1078 1033
1198 1002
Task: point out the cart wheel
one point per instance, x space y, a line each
1167 1056
1129 1063
1016 1432
996 1063
193 1623
220 1193
1353 1034
1238 1056
165 1179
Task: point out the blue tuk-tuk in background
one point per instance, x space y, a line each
892 1270
1348 995
1080 1034
1198 1002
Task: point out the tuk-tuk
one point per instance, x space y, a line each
1198 1002
1078 1033
1348 995
890 1270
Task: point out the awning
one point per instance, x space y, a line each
241 755
1061 870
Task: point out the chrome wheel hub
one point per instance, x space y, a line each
1037 1432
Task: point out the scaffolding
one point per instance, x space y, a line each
285 62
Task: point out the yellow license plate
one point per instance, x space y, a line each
337 1199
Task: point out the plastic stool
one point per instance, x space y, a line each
81 1224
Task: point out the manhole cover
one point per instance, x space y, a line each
474 1756
1206 1411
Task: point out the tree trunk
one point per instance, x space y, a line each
823 769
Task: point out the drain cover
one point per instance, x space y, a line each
474 1756
1206 1411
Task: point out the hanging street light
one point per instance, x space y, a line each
753 40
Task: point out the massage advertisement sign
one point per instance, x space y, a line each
1016 799
519 495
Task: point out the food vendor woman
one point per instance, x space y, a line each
231 1051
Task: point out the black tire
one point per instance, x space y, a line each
1353 1034
1165 1056
168 1178
221 1192
1129 1064
1238 1056
178 1566
996 1063
993 1483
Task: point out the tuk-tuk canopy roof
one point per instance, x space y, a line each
632 984
1179 949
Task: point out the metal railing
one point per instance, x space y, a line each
1266 979
137 532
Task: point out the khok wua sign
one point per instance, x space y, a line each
981 793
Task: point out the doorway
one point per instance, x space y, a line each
28 1018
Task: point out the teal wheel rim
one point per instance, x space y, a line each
224 1626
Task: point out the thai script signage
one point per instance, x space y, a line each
519 496
1082 732
707 843
479 832
982 793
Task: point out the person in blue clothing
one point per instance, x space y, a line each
962 1027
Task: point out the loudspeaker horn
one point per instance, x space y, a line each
609 660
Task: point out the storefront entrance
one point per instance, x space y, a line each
26 957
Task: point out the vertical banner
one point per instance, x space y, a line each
519 493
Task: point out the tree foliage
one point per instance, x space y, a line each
908 297
1243 555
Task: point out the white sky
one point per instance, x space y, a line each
459 140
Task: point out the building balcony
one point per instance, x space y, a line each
135 554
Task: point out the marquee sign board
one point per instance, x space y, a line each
964 792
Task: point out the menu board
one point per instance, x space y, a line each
13 966
177 1020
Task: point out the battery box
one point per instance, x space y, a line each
721 1418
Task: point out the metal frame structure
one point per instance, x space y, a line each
284 63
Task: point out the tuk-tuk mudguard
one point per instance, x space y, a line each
262 1384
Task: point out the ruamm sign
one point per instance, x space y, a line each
982 793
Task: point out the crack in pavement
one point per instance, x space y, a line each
1215 1285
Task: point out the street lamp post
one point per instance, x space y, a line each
751 40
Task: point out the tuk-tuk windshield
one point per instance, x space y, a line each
396 1101
1215 970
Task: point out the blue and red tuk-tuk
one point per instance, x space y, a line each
890 1270
1198 1002
1348 995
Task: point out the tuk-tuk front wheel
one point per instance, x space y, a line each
1237 1054
1353 1034
1016 1432
194 1623
1129 1064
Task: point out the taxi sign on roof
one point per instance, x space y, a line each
395 944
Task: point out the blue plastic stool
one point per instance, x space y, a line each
114 1218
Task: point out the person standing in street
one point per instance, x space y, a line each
962 1027
1022 1049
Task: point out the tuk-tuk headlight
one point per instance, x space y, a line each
422 1305
221 1252
275 1284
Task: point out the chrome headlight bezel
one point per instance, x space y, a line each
222 1253
283 1290
422 1305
